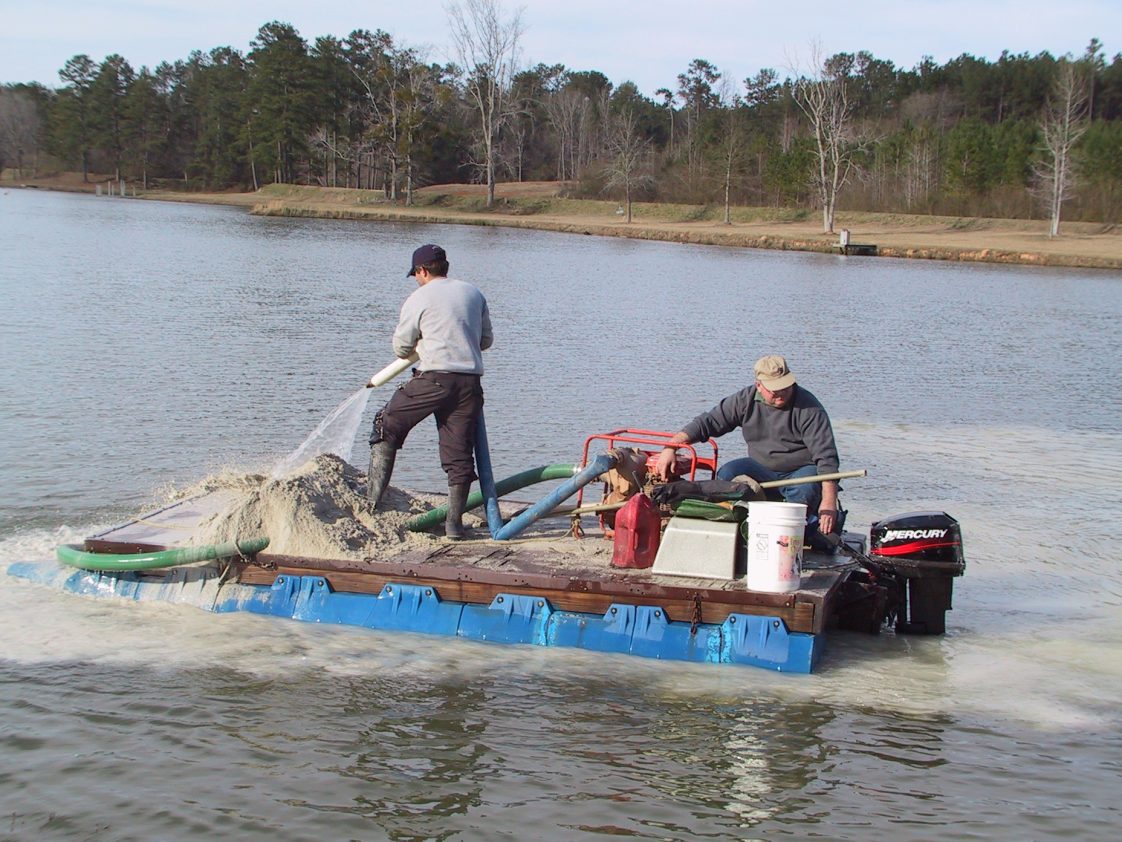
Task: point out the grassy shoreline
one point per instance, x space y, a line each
541 206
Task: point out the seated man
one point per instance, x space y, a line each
788 434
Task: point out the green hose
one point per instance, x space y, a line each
428 520
74 556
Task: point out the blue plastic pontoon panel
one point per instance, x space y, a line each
766 642
610 633
277 600
397 607
197 586
510 618
657 637
415 608
637 630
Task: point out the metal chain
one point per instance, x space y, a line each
254 561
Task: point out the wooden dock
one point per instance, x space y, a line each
845 246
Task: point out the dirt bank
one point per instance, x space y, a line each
542 205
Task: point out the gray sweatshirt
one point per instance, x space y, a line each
447 323
779 439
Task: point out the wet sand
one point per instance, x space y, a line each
319 510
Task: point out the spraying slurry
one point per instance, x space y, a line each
335 434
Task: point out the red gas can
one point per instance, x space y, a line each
638 529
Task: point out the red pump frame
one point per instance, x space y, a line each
661 439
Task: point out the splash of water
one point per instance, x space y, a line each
335 434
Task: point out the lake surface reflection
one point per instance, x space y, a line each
147 345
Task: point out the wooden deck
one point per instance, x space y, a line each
477 572
572 574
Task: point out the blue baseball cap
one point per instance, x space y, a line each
426 254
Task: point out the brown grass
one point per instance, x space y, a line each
544 206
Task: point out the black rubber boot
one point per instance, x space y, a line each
382 456
457 502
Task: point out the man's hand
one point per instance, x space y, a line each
665 461
668 455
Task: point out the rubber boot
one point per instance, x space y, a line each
457 502
382 456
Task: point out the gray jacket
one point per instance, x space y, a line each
447 323
780 439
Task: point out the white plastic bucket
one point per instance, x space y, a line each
774 538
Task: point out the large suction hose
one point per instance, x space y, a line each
429 519
600 465
74 556
487 477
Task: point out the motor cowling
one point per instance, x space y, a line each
925 550
930 540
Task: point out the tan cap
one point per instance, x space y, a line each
773 374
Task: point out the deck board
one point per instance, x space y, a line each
477 572
573 574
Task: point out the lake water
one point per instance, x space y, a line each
148 345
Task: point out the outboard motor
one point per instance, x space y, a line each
925 550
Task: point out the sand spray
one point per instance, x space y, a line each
335 434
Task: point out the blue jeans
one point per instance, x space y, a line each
809 494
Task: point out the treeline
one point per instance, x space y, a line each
969 137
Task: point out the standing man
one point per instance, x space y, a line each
447 324
788 434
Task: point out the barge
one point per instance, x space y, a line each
546 589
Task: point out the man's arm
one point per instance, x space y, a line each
726 416
487 337
819 437
828 508
408 331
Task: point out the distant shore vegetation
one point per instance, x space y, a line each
1025 136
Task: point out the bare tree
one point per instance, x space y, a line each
563 108
420 94
379 74
668 101
400 87
328 144
628 152
929 116
486 45
823 96
920 168
730 146
19 130
1065 119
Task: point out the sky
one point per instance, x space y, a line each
648 42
